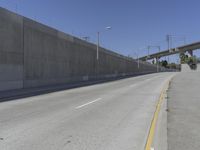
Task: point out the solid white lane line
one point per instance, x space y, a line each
88 103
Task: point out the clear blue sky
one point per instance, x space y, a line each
135 23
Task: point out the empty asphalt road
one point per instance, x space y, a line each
110 116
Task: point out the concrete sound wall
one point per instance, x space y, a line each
11 51
34 55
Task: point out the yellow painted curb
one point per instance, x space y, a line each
155 117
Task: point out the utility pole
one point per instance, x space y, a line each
148 51
138 60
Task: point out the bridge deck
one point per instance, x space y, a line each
180 49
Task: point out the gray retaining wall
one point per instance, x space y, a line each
34 55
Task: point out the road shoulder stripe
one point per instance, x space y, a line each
151 134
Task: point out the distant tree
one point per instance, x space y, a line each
198 60
191 61
153 61
184 58
172 66
164 63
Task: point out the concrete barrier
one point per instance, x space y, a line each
186 68
35 55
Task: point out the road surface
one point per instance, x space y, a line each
184 112
110 116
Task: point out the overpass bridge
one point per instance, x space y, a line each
181 49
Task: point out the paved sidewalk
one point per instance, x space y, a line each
184 112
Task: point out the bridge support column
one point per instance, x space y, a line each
181 57
157 63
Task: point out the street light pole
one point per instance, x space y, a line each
98 43
138 60
98 33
